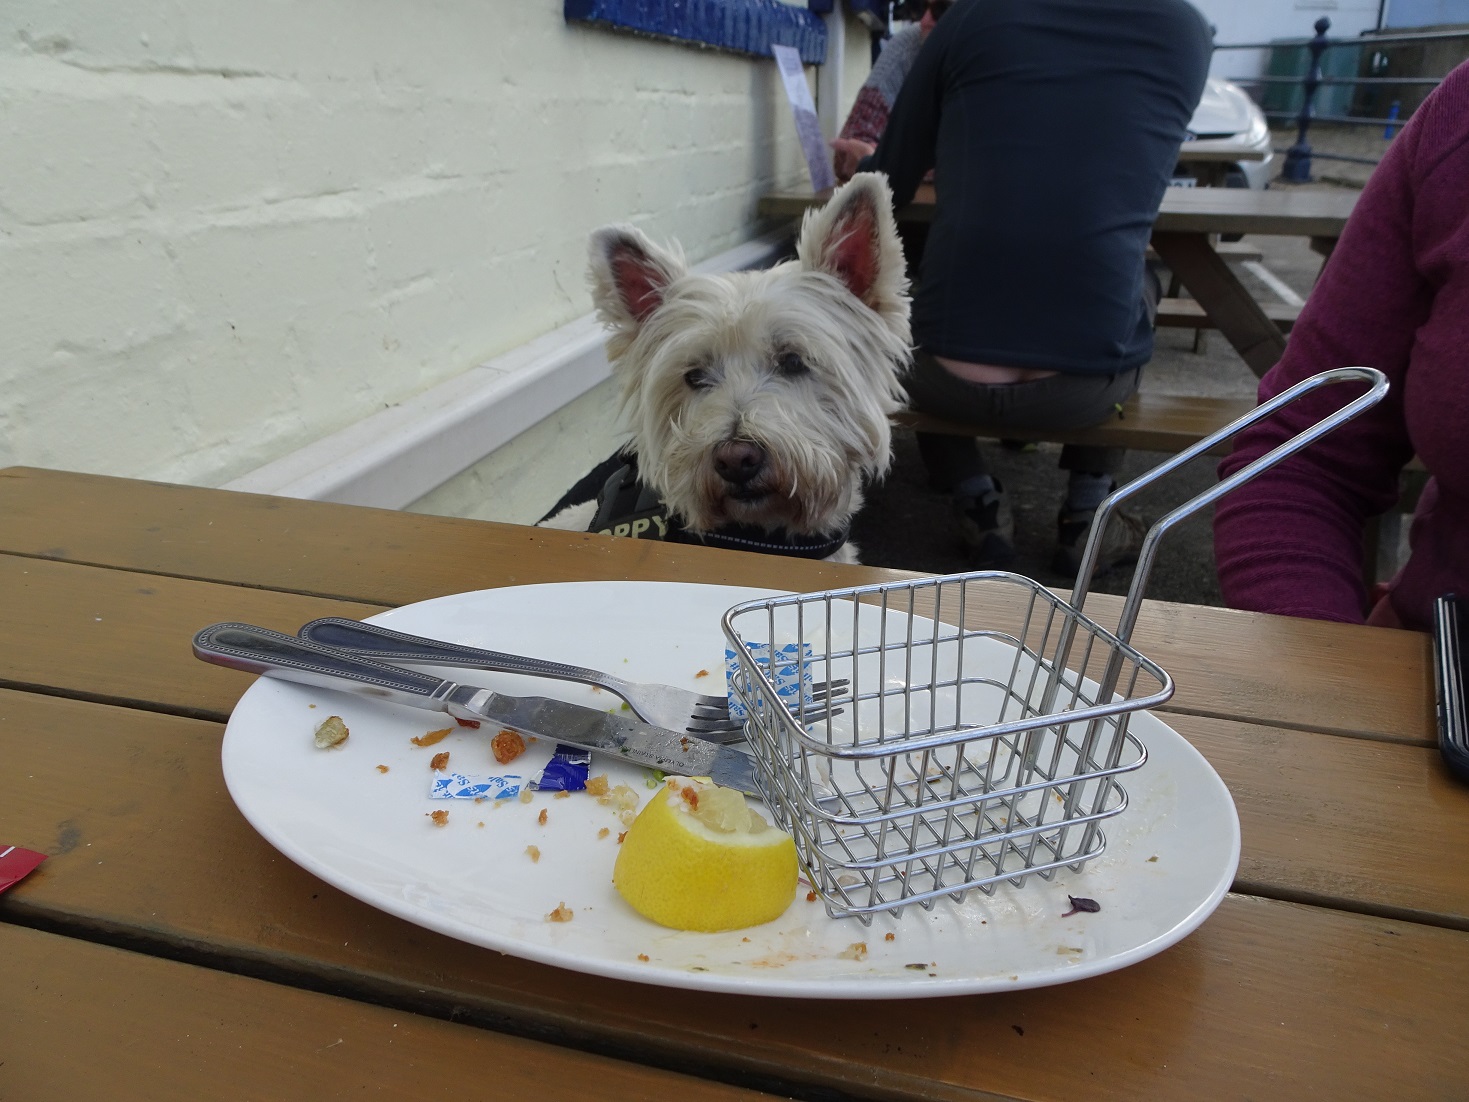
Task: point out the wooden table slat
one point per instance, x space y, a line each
1300 673
85 1021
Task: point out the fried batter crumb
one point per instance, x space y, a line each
562 795
440 761
562 913
431 737
889 937
526 796
642 956
507 745
382 768
534 853
603 832
597 786
856 951
331 732
474 723
620 837
541 818
440 817
811 897
701 673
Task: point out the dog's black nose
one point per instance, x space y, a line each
738 461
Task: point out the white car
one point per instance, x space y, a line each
1227 119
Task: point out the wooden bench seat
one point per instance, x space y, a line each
1185 313
1235 251
1147 422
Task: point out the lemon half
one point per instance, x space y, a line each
698 858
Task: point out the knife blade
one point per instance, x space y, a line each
287 657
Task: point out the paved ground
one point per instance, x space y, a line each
907 525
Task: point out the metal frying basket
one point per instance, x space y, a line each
986 724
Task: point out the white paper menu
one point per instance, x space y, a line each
808 127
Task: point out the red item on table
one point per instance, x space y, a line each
15 863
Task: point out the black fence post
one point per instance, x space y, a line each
1297 168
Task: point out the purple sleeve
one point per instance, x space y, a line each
1291 541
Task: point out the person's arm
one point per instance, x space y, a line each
906 152
1291 541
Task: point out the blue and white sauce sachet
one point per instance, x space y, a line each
788 667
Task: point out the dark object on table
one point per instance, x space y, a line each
1451 672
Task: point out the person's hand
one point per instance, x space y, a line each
846 152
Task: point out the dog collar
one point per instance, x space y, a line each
626 507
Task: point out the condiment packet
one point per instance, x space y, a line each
566 771
460 786
16 864
788 667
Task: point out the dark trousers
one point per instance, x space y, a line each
1059 401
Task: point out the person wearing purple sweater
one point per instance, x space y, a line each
1394 296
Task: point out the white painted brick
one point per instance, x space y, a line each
229 229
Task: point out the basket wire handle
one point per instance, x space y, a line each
1377 390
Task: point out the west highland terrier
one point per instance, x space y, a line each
758 402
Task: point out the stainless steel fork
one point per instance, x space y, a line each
662 705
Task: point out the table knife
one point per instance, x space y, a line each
262 651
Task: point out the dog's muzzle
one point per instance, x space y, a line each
740 463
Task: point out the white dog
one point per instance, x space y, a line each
758 402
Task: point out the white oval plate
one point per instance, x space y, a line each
1170 856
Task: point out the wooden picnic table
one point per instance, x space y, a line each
1188 222
166 950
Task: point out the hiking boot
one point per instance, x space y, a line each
1121 542
986 529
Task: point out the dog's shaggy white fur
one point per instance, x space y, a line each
761 398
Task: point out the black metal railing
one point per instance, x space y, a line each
1297 167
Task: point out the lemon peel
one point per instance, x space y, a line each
698 858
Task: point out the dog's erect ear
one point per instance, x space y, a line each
855 238
630 275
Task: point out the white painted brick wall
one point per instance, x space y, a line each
228 229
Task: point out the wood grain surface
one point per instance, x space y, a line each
1265 998
83 1021
1372 683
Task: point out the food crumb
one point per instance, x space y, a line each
479 824
331 732
1152 858
507 746
474 723
889 937
856 951
620 837
382 768
526 796
541 818
440 817
562 913
430 737
597 786
440 761
603 832
534 853
563 795
642 956
702 673
811 897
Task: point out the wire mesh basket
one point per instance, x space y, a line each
985 728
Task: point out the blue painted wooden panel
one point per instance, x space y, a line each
745 26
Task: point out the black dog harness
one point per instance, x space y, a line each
626 507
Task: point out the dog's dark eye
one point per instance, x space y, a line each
790 363
698 378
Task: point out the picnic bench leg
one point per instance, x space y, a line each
1230 307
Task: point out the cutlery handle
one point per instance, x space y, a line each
260 650
386 645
